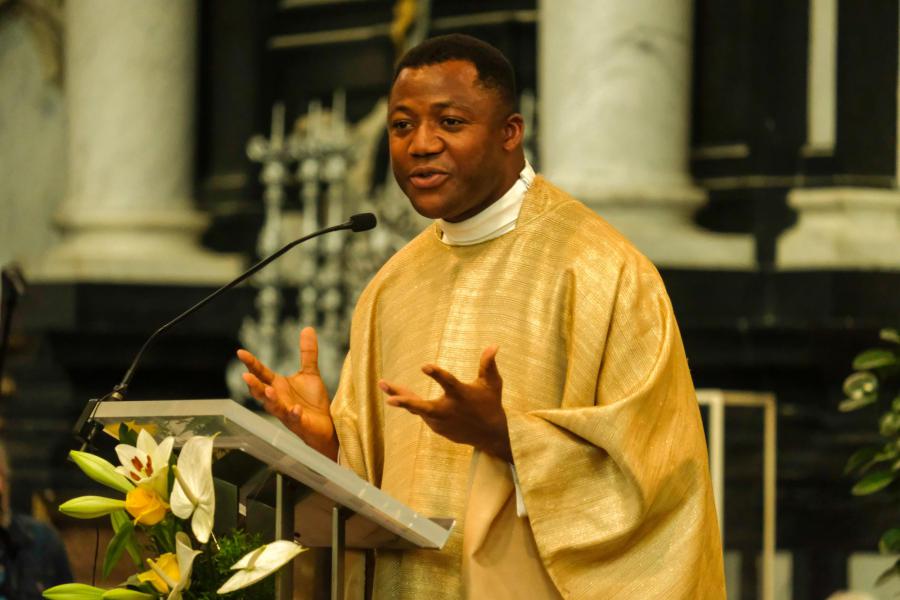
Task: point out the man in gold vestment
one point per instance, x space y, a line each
517 367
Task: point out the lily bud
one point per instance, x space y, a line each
101 471
126 594
74 591
90 507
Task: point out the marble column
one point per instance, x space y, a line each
838 227
128 212
842 228
615 84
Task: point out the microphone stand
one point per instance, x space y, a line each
86 428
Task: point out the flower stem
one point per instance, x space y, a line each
187 489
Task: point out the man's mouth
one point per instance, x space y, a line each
424 178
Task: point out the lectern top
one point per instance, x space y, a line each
389 522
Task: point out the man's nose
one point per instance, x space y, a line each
425 141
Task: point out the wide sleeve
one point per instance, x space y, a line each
356 408
617 487
358 447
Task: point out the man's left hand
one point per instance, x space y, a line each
467 413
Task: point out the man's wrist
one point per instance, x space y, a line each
500 447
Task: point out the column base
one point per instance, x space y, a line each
659 222
164 251
842 228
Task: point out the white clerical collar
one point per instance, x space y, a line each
497 219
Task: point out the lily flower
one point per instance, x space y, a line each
101 471
193 493
147 464
90 507
259 563
171 573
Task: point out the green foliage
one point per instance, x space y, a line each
872 483
875 359
861 389
890 541
861 460
874 382
127 435
117 545
212 570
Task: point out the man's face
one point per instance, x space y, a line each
449 140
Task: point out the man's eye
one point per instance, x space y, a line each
401 125
451 122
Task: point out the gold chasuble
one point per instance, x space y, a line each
603 420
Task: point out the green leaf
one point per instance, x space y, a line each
116 546
889 424
890 541
119 519
127 435
873 482
890 335
859 458
861 389
874 359
851 404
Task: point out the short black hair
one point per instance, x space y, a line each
494 70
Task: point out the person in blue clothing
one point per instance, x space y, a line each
32 556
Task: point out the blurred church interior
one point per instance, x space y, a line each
151 150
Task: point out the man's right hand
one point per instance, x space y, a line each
300 400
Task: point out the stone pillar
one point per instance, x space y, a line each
838 227
128 213
842 228
615 84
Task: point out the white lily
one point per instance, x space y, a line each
147 464
172 577
193 493
259 563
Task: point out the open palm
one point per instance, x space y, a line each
300 400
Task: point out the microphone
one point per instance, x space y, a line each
362 222
358 222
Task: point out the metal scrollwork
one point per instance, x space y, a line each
321 157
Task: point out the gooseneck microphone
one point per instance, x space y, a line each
84 430
360 222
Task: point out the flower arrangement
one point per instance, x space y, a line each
164 523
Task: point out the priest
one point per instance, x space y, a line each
517 367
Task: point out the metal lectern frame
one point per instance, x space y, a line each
337 508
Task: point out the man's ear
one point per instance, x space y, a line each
513 131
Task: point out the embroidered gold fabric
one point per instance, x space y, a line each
604 424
